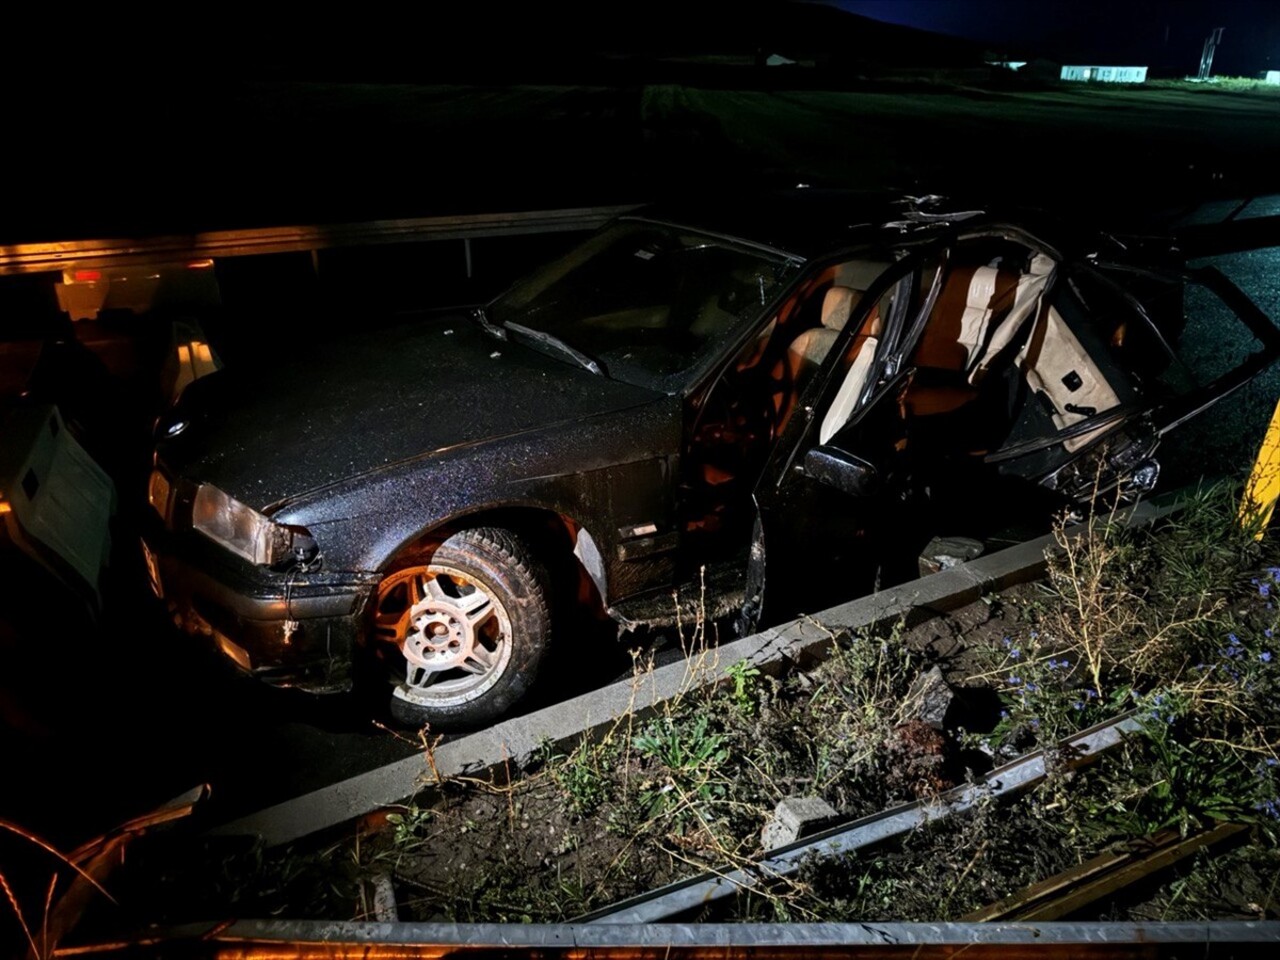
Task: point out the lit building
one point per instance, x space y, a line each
1106 74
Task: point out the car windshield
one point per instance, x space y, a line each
647 302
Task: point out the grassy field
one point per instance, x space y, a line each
199 152
1089 145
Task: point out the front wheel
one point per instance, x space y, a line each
472 626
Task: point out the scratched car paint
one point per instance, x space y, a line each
760 404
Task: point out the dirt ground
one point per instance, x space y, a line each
688 790
609 820
484 840
549 849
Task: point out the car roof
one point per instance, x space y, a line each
801 222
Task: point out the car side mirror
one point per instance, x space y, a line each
842 470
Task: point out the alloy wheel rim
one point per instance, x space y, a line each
454 636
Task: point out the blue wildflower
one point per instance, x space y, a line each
1265 656
1270 807
1077 705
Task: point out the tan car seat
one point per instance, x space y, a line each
971 302
863 352
810 348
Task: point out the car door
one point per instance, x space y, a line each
1165 369
826 496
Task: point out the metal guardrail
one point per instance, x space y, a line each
685 896
1198 240
260 939
61 255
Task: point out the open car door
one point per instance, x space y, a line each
982 383
1142 364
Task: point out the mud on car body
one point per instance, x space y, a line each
761 399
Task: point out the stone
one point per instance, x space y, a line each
929 699
383 897
796 818
943 553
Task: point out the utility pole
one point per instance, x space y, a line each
1206 56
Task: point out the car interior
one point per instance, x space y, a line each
1002 355
750 406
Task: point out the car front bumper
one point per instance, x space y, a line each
287 629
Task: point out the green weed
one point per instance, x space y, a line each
744 678
585 776
689 755
408 825
1174 622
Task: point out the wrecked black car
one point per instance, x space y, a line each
778 404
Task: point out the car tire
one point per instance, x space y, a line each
472 625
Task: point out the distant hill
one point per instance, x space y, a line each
505 43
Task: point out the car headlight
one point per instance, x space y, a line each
158 490
246 532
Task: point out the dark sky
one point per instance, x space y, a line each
1166 33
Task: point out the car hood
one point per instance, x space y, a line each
279 429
